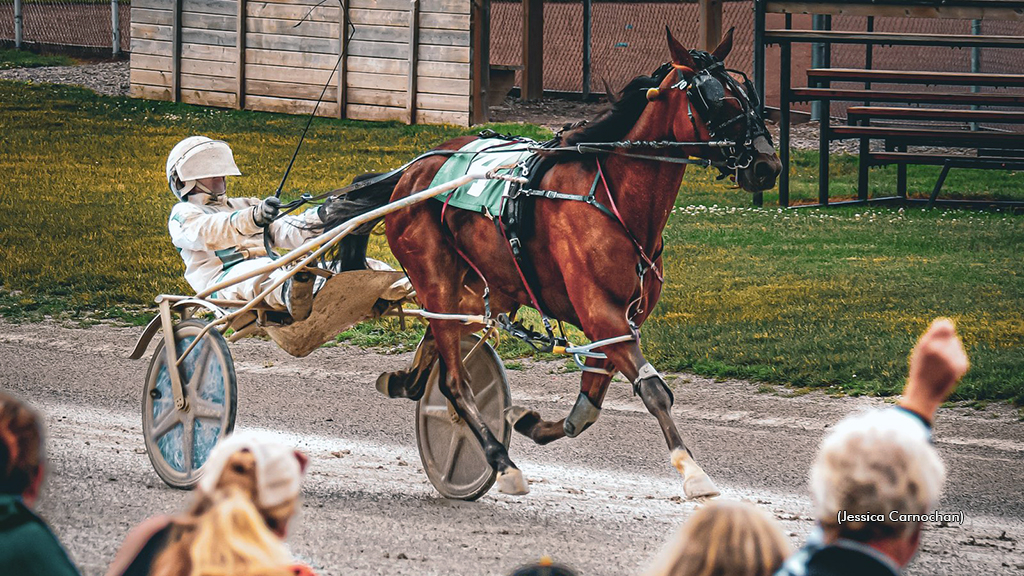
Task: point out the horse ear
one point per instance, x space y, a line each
612 99
724 47
680 55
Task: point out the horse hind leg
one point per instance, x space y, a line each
584 412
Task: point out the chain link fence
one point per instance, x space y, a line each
85 25
627 38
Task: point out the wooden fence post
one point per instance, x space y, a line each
710 27
240 42
342 63
533 50
587 25
480 59
414 33
176 52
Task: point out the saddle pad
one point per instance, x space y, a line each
481 195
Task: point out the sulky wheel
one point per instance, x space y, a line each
179 441
451 455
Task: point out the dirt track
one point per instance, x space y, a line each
603 502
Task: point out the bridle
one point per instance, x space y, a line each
706 95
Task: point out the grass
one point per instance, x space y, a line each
811 298
10 58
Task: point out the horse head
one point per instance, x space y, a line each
707 103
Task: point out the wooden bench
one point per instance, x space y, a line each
904 125
897 138
882 39
864 114
817 75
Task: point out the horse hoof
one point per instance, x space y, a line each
700 486
521 419
401 385
696 482
512 482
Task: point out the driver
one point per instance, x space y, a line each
220 238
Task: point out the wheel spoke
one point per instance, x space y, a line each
187 441
199 368
168 421
453 453
484 396
205 409
439 412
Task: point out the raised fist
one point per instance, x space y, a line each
936 365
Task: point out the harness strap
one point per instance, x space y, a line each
636 243
589 198
512 243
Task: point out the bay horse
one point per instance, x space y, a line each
584 262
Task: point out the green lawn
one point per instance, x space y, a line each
808 297
23 59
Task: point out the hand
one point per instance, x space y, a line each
266 211
936 365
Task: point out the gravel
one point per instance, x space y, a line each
109 78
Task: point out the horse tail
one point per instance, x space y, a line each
350 253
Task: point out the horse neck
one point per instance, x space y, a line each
644 190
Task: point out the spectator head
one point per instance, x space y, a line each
545 567
270 474
724 539
21 449
874 463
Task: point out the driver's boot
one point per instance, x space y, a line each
298 295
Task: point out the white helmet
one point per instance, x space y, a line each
198 157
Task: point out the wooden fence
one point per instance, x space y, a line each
277 56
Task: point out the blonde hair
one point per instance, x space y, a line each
875 463
724 539
226 534
230 538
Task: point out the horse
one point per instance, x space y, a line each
599 270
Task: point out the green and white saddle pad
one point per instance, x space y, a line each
481 195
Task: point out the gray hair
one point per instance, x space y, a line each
875 463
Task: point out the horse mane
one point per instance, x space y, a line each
616 120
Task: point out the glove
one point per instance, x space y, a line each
266 211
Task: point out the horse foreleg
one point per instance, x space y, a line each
585 411
454 384
656 396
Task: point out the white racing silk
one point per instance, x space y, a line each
221 240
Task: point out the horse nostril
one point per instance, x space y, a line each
763 170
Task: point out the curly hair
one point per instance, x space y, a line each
870 465
21 445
